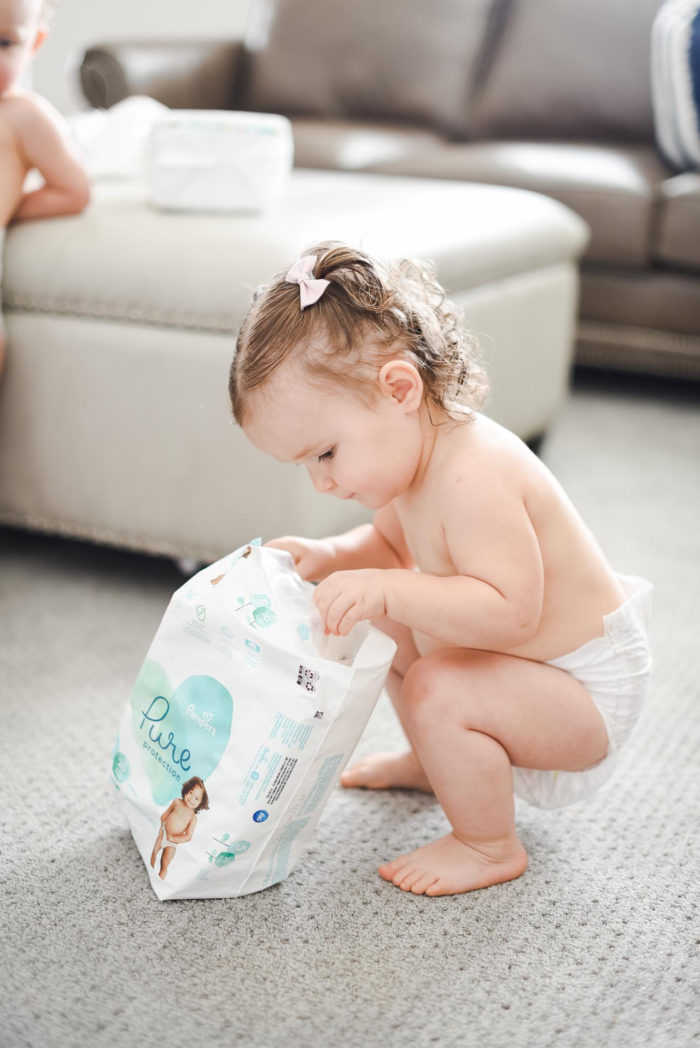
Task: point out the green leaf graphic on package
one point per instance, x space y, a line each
179 733
258 609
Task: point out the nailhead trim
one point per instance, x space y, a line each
122 312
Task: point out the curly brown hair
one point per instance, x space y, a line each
369 312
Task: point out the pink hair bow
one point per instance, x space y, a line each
301 273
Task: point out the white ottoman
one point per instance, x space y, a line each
114 419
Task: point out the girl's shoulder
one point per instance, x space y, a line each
480 438
20 103
488 457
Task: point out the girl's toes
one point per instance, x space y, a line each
389 870
423 884
438 887
405 879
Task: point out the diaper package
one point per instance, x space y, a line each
209 160
240 722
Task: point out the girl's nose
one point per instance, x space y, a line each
322 481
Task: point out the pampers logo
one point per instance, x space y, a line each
204 720
175 740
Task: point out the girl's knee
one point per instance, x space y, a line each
452 684
438 680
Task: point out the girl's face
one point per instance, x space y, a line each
369 452
20 36
193 798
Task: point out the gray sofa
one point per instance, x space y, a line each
547 95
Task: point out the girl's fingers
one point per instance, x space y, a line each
339 608
334 614
323 598
348 620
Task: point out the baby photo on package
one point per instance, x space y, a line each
240 722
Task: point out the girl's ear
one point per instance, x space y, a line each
41 35
400 380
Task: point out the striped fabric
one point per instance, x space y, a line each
675 77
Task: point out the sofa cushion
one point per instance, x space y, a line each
573 68
678 242
676 81
613 189
351 145
392 60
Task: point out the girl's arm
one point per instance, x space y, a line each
161 826
376 545
168 811
492 601
46 145
186 835
12 173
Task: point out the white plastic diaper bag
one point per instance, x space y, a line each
240 722
209 160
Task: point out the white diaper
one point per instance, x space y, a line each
614 669
165 843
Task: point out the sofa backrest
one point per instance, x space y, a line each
393 60
469 68
572 68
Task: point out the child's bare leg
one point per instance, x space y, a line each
382 771
165 860
472 715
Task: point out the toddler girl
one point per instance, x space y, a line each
522 659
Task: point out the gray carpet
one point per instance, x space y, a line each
596 945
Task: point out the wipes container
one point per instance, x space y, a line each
240 722
209 160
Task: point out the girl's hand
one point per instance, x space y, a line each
313 558
348 597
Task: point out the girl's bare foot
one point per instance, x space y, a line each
384 771
449 866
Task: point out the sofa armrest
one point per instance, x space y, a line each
181 75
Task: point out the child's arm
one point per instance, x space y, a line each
12 171
186 834
161 827
377 545
45 143
168 811
494 599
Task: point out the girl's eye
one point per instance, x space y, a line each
327 455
